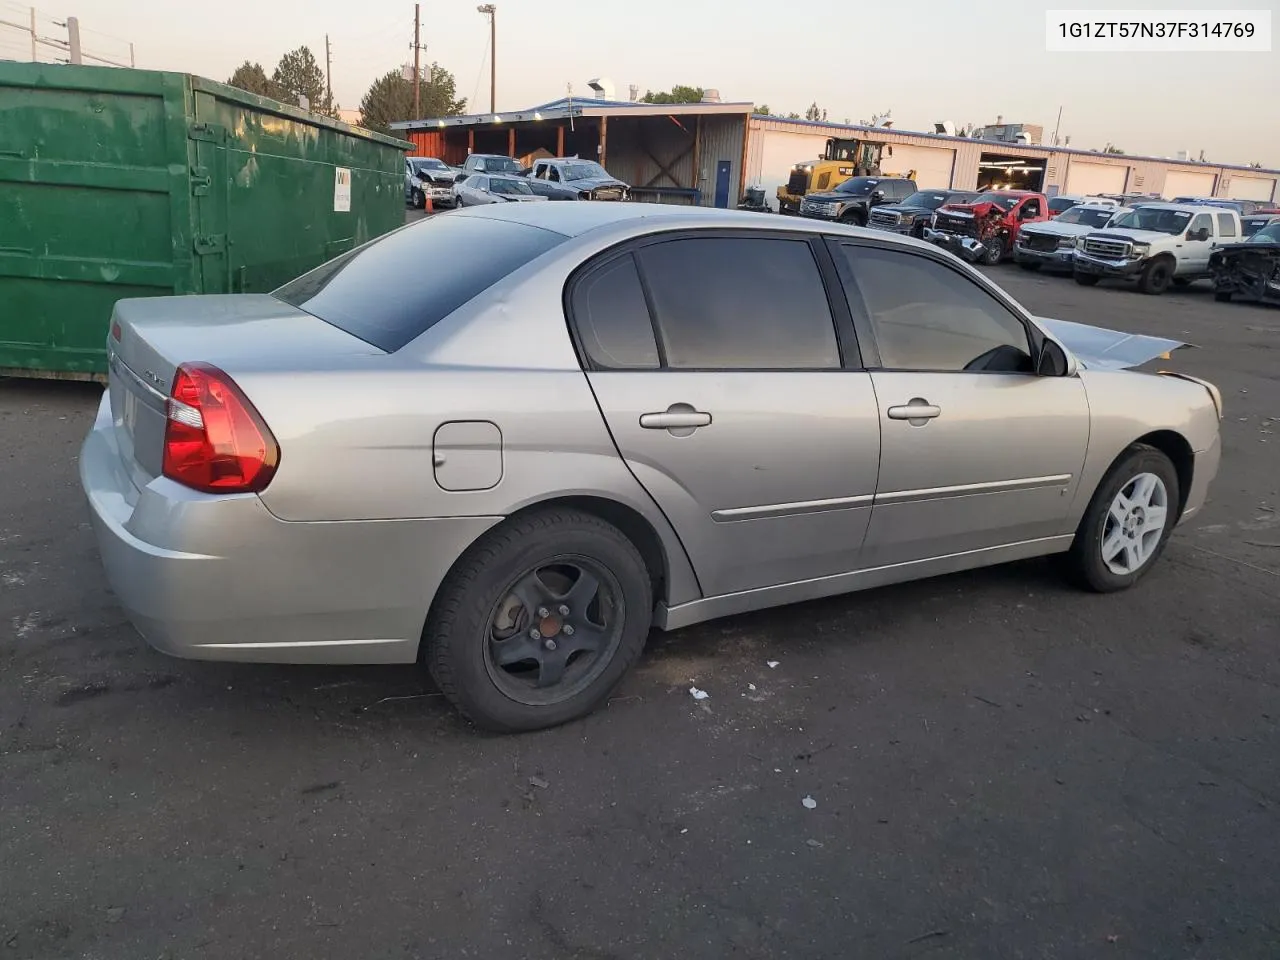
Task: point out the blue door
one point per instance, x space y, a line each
722 182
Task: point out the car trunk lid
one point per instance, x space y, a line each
150 337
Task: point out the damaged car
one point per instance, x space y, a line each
984 230
1249 270
593 424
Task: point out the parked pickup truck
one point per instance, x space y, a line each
1157 244
984 230
1053 244
1249 270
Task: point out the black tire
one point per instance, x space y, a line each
1029 265
416 200
1085 563
1156 277
994 251
460 634
854 219
1087 279
1222 296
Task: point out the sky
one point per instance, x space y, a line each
963 60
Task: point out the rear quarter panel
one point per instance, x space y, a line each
357 444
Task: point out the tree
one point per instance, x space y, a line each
298 75
251 77
793 115
762 109
815 112
390 98
1112 148
678 94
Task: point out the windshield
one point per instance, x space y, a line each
1252 225
1059 204
583 170
858 186
1003 202
1171 222
1086 216
435 164
497 165
1268 234
502 185
929 199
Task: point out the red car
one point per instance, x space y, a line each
984 230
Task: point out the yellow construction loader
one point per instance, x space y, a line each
840 160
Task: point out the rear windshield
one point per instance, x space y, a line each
391 290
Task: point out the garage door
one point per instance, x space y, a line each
1188 183
772 154
1090 179
1250 188
931 164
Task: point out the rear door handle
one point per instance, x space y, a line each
917 409
677 417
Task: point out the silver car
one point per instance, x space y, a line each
619 416
484 188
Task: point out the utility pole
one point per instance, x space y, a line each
73 39
328 66
35 53
133 61
491 11
1056 126
417 62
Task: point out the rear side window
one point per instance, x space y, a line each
1226 225
740 303
391 290
612 318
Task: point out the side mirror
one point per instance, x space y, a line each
1053 360
877 195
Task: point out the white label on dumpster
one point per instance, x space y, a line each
341 190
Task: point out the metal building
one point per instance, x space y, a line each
689 153
708 153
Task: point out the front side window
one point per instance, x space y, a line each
740 303
928 317
1226 225
1202 221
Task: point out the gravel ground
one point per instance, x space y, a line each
999 766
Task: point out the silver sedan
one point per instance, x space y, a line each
484 188
620 416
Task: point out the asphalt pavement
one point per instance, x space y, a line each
984 765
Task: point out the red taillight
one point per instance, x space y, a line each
115 332
214 440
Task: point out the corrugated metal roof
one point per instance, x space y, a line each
998 145
579 107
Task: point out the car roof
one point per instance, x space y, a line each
576 219
1183 207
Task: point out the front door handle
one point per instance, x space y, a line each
678 416
917 411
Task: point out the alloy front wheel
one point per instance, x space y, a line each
1135 524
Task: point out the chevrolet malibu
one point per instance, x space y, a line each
614 417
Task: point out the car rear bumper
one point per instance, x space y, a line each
221 578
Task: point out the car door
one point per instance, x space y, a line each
976 451
732 389
1194 255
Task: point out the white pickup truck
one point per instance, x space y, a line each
1157 244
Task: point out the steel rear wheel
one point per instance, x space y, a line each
1128 521
539 620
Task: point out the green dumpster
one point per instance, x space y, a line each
131 183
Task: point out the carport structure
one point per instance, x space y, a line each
689 153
